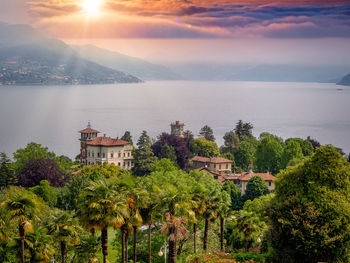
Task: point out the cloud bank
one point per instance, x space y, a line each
196 19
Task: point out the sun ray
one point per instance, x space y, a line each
91 8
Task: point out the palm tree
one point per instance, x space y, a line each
22 207
212 202
3 229
224 212
133 204
149 210
40 245
102 207
199 208
175 195
206 199
248 225
65 229
135 197
87 248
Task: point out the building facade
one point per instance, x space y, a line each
97 150
217 164
241 180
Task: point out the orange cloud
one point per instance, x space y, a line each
196 18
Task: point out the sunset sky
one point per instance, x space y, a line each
271 23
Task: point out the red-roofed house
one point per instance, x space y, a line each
241 180
212 164
267 177
97 150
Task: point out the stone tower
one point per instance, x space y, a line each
86 135
177 129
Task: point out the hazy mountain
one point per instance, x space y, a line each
30 57
234 72
345 80
135 66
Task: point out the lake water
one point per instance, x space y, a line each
53 115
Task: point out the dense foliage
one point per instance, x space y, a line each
311 210
179 145
36 170
103 213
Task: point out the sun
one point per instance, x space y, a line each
91 7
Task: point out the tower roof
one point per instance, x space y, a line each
89 130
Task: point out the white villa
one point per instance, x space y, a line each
97 150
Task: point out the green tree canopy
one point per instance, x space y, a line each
306 145
264 135
235 194
37 151
127 137
7 173
204 147
231 142
292 150
310 214
168 152
243 129
268 155
47 192
207 133
144 158
256 187
245 156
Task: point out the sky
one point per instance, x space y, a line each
151 28
182 18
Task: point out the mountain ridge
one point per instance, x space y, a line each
345 81
29 57
131 65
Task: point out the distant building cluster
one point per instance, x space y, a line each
96 149
241 179
220 168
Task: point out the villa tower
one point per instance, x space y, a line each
87 135
177 129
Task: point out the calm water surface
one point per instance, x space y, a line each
53 115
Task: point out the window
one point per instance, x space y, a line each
123 163
119 154
128 163
119 164
214 165
128 154
93 154
104 155
219 166
270 183
111 154
226 166
124 154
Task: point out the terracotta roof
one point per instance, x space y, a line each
230 177
210 160
219 176
89 130
266 176
222 176
107 141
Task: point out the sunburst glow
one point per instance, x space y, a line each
91 7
